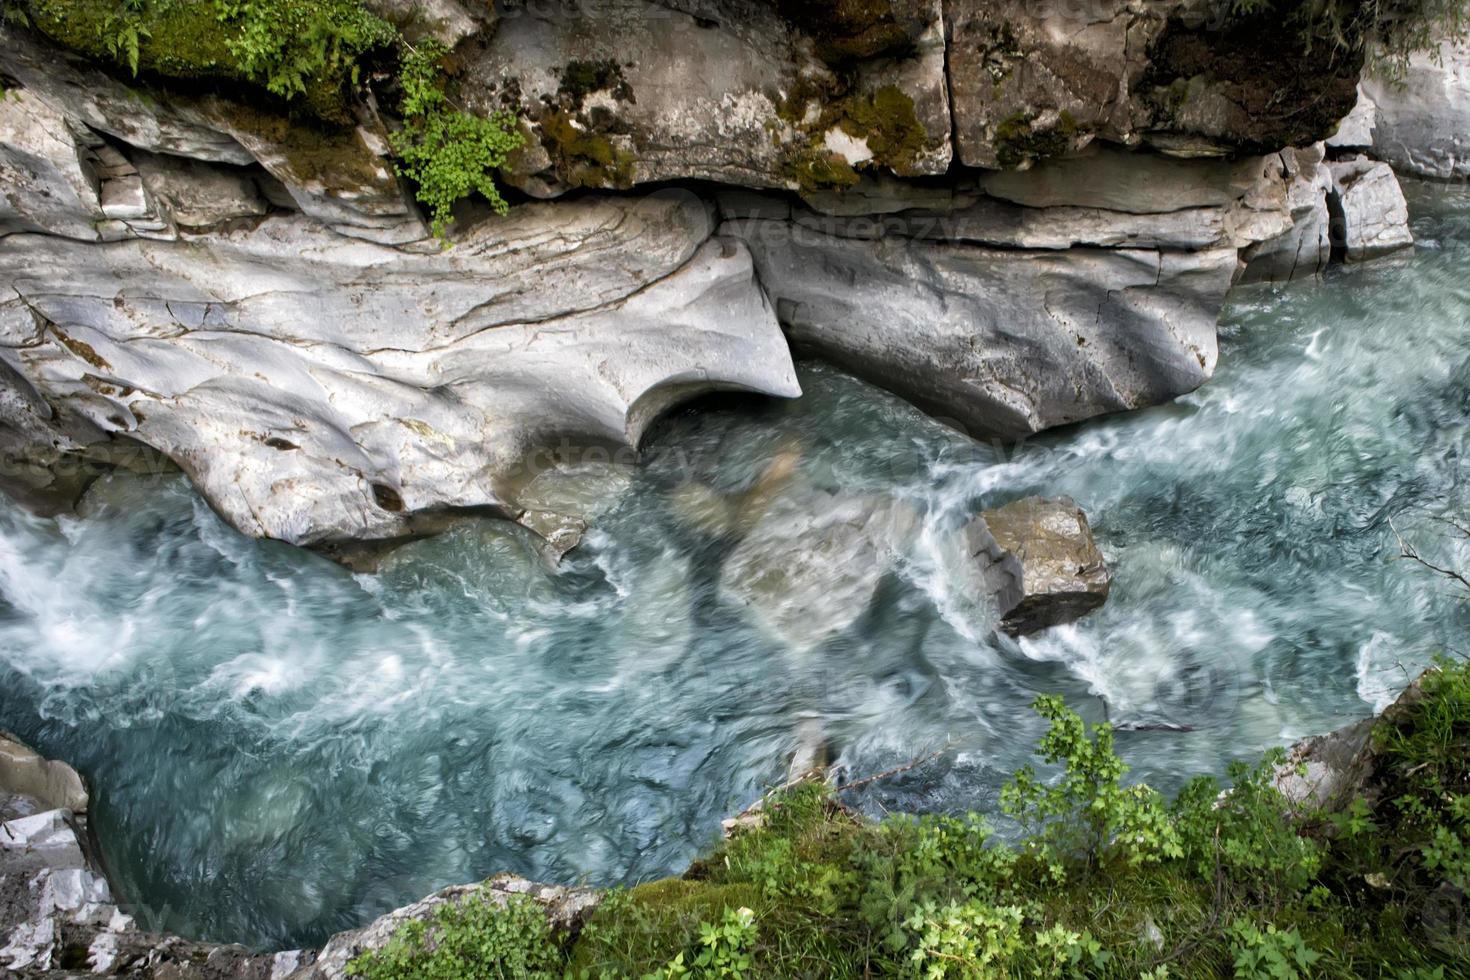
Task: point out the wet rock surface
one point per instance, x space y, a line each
1063 576
302 376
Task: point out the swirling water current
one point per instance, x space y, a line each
281 748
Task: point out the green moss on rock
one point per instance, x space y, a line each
183 40
1019 143
584 156
652 923
815 168
887 120
303 52
851 30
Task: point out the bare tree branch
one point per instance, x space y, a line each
1408 551
912 764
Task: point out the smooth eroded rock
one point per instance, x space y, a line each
1370 217
1422 122
321 389
1355 132
1006 342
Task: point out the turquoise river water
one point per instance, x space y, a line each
282 748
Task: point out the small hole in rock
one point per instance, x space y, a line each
387 498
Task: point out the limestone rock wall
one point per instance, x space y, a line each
1421 123
190 280
801 95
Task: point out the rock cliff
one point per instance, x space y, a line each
1015 216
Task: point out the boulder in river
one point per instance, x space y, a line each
1306 248
1370 217
25 775
1063 575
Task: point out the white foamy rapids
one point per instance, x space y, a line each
283 749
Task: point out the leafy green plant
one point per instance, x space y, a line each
724 950
286 44
1088 809
448 152
1270 953
124 30
963 939
1247 834
472 938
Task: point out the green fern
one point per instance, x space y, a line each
287 44
124 30
448 152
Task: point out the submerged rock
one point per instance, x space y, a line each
1063 575
810 565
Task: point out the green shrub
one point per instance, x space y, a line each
473 938
1088 810
1248 834
1270 953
